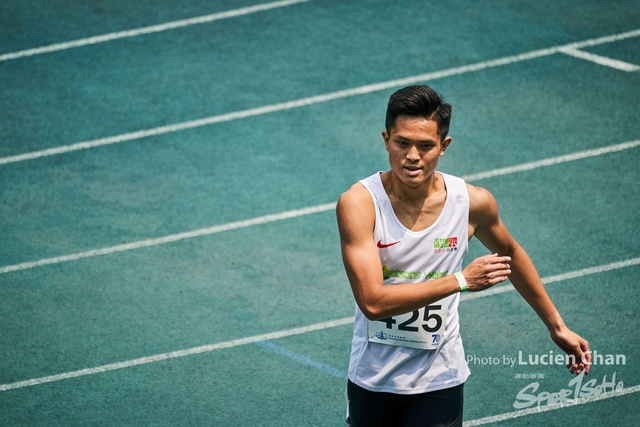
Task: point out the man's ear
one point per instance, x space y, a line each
444 144
386 137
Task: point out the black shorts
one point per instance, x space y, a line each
442 408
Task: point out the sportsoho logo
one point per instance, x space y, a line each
449 244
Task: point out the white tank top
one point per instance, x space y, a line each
412 257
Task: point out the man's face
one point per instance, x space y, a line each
414 147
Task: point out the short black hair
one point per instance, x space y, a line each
419 101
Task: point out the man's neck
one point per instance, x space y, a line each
399 191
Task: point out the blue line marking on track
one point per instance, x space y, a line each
303 359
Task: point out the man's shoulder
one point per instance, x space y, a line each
355 212
360 192
478 194
482 204
356 196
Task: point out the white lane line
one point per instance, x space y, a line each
148 30
553 160
601 60
552 279
299 212
592 270
302 359
177 354
604 40
269 108
275 335
304 101
536 410
172 237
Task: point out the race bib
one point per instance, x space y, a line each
419 329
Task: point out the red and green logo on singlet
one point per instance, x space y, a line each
449 244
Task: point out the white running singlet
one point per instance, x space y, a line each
421 351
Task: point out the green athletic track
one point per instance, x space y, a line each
66 307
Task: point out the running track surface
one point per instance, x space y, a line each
253 298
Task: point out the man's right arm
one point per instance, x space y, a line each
356 219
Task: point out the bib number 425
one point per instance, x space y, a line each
431 320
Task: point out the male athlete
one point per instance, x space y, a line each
404 234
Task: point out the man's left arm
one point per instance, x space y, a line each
485 224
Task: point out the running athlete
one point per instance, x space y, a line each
404 234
